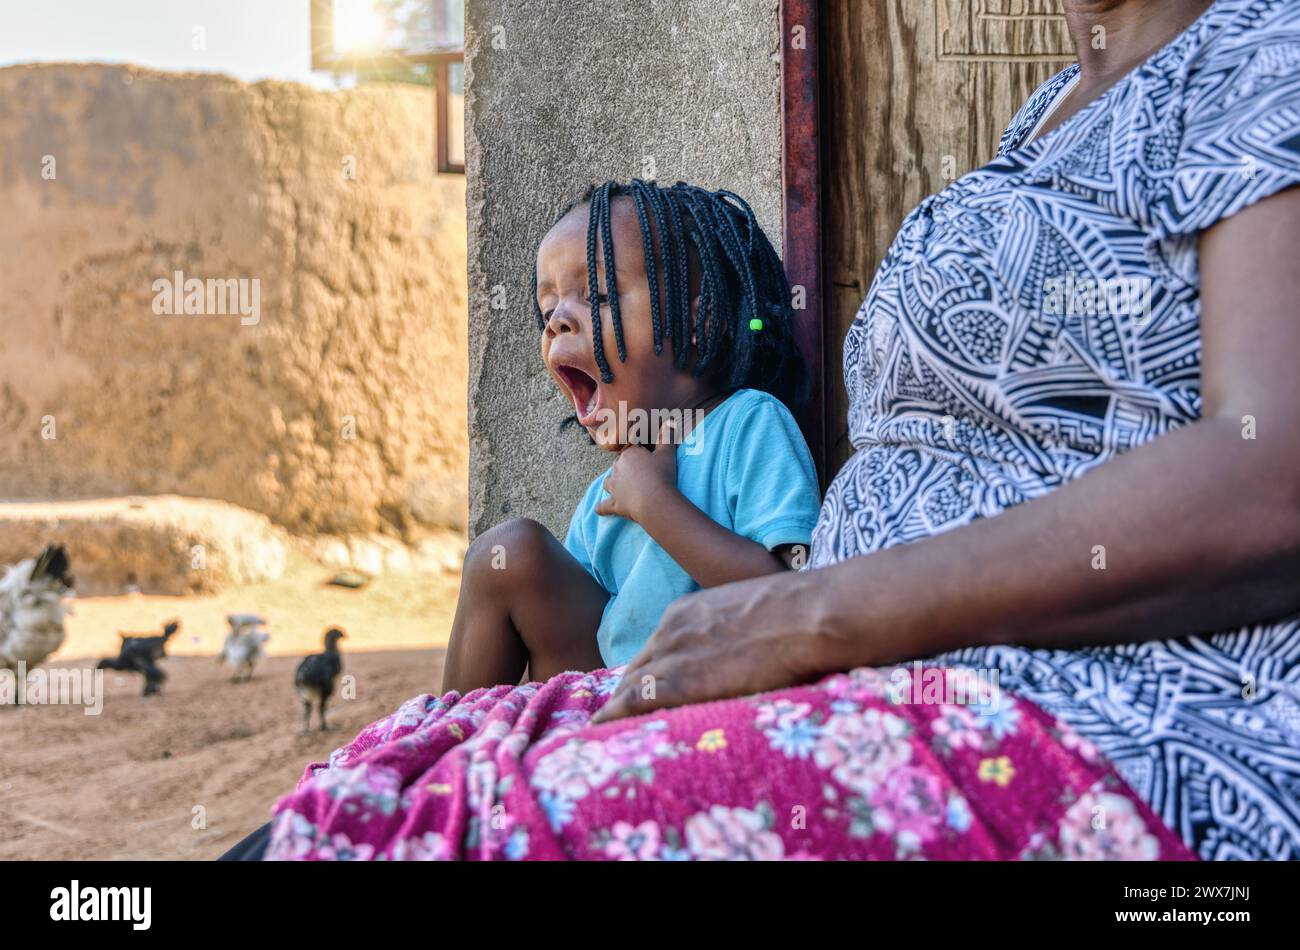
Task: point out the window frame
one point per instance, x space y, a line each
442 105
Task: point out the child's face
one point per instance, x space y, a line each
646 381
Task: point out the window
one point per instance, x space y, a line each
418 41
451 116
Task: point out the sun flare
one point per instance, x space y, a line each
358 26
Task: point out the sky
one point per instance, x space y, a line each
249 39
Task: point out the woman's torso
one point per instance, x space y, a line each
1034 320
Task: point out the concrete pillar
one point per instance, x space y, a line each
560 95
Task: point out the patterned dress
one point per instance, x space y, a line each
1041 316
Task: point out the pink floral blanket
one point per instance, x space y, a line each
840 769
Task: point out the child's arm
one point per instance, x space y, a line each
642 487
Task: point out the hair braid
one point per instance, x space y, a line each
593 284
651 268
611 279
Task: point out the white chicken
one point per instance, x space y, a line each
32 609
244 645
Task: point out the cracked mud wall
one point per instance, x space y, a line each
559 95
343 409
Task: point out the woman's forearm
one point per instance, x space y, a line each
1193 532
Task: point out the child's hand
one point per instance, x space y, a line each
640 477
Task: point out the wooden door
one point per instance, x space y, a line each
914 93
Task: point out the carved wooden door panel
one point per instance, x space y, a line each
915 93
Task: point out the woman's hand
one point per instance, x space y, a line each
733 640
639 478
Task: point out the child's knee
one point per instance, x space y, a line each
515 549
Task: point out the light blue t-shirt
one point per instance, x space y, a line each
746 466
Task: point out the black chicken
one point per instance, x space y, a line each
141 655
316 675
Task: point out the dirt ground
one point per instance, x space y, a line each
185 775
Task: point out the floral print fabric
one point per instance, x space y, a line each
841 769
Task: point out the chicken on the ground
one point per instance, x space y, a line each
316 676
32 608
244 646
141 655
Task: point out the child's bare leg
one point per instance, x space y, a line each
524 601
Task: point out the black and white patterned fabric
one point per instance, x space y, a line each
973 386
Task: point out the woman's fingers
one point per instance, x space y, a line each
620 704
639 692
654 677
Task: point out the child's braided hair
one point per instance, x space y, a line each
744 332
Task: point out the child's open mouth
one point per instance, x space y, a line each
583 390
